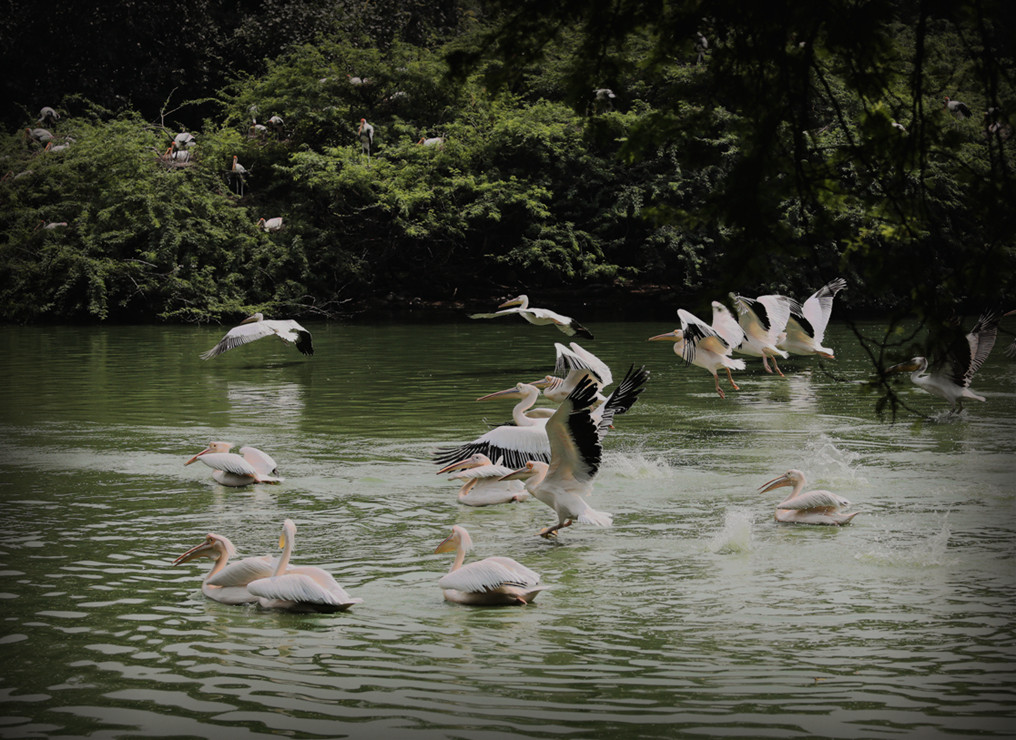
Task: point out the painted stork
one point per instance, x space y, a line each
961 110
813 507
366 134
256 327
270 224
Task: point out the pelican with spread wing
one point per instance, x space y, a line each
250 466
256 327
539 316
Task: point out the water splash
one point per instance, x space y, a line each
736 534
825 460
638 466
929 551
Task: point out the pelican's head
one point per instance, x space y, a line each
288 533
671 336
473 461
547 382
519 390
914 364
253 318
458 538
212 447
790 478
520 300
213 547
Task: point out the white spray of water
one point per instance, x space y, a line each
637 465
736 534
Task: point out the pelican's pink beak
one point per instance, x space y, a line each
447 544
904 367
671 336
205 549
783 480
520 474
506 393
509 303
460 465
207 449
545 382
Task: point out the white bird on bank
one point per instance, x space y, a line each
250 466
806 327
813 507
306 588
950 376
256 327
227 582
482 484
764 321
493 581
575 458
700 344
538 316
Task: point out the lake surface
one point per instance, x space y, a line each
695 615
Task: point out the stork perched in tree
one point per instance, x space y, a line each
957 108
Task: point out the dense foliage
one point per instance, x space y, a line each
767 158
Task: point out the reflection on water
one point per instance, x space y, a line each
696 614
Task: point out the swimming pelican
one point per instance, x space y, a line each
813 507
764 320
806 326
539 316
950 376
306 588
700 344
256 327
494 581
250 466
482 484
575 457
227 582
515 443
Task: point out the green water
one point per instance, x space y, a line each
696 615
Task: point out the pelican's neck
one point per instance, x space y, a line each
287 552
796 491
220 563
529 397
460 556
536 479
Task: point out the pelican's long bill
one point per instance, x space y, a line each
520 474
447 544
778 482
904 367
671 336
512 392
197 551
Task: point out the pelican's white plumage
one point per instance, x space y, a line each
764 321
250 466
950 376
305 588
571 365
493 581
482 484
227 582
575 458
813 507
806 327
539 316
702 345
256 327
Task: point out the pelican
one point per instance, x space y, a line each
250 466
539 316
515 443
255 327
813 507
574 363
700 344
494 581
575 457
764 321
950 376
482 484
227 582
806 327
305 589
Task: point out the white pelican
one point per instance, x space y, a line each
575 457
227 582
257 327
813 507
482 484
700 344
250 466
306 588
514 443
571 365
806 327
539 316
494 581
950 376
764 320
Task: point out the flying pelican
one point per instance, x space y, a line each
494 581
515 443
813 507
950 375
700 344
305 589
806 327
539 316
571 365
575 457
227 582
250 466
256 327
764 321
482 484
270 224
366 134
